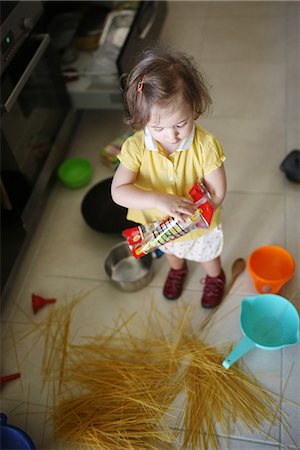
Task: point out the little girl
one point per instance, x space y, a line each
164 95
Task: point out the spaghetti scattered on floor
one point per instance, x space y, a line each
121 391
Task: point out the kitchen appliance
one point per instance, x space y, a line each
93 79
17 21
36 120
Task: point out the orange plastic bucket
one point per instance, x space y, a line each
270 268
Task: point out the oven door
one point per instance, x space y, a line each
34 104
35 109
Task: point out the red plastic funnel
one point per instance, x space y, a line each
38 302
10 377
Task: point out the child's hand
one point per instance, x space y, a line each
178 207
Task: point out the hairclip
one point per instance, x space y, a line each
141 84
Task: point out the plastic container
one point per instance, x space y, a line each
270 268
117 26
13 438
267 321
75 172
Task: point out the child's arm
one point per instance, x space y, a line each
215 183
125 193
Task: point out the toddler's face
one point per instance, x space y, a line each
171 124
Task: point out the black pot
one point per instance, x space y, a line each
101 213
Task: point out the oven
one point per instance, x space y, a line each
36 120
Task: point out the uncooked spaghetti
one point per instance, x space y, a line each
120 392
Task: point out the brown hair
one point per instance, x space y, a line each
159 75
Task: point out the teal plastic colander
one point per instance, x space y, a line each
267 321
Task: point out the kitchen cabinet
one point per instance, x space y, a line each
92 77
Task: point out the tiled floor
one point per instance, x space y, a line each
250 53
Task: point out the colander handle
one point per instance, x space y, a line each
243 346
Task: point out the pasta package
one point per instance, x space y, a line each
143 239
109 153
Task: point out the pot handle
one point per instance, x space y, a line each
243 346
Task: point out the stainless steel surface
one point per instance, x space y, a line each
41 190
45 40
47 176
126 272
146 30
17 21
36 125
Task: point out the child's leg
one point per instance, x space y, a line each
174 262
212 268
176 276
214 285
207 250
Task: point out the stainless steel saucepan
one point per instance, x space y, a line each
126 272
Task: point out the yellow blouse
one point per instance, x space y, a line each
198 155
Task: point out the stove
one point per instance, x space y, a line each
36 124
17 21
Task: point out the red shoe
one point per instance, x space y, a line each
213 290
174 283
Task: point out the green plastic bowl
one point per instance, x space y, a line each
75 172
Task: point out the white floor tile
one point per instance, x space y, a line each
254 150
188 9
257 86
259 219
291 396
264 41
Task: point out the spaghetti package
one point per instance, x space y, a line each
143 239
109 154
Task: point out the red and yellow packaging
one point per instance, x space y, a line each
143 239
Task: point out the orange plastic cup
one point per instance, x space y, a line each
270 268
